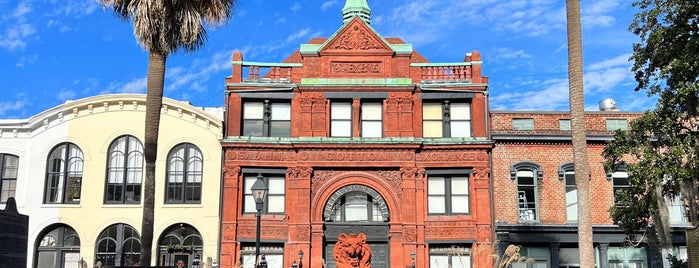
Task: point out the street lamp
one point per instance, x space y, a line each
300 258
259 192
412 257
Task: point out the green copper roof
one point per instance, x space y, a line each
356 7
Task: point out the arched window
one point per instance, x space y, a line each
180 242
58 246
356 203
184 174
527 176
8 176
64 175
119 245
124 171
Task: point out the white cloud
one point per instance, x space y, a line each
327 4
509 53
65 94
26 59
134 86
74 8
9 106
296 7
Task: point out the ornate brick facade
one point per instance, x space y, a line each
355 66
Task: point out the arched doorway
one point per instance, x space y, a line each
118 245
57 246
180 243
356 214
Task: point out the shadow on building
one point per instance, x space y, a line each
13 238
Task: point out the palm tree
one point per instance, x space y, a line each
577 122
163 27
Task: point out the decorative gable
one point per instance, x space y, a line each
356 36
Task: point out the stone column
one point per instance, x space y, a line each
603 255
554 248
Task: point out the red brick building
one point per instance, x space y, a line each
535 195
364 144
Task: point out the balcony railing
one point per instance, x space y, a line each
445 72
259 72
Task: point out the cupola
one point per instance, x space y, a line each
358 8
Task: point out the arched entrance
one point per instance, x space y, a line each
356 216
180 243
58 246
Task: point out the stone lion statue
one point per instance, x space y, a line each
352 251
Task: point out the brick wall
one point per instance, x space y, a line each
549 154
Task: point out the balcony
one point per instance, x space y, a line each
432 73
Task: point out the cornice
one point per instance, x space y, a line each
71 110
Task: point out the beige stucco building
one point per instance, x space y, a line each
77 171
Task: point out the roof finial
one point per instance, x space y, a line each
358 8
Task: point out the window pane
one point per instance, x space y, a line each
460 111
439 262
436 204
432 111
276 185
281 111
371 111
523 124
249 204
459 185
564 124
372 129
253 110
252 128
460 261
341 129
460 129
432 129
275 204
280 129
341 110
459 204
435 185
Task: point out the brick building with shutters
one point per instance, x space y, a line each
536 198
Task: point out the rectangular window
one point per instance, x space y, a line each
564 124
614 124
275 200
523 123
620 182
273 252
571 196
371 123
446 119
340 119
676 210
266 119
450 256
526 195
448 194
8 176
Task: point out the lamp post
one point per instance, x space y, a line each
412 257
300 258
259 192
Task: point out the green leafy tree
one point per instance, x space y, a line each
163 27
660 149
577 122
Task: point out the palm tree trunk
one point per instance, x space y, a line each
154 102
577 121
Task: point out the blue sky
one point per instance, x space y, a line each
57 50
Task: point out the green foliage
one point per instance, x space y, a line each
676 262
661 148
